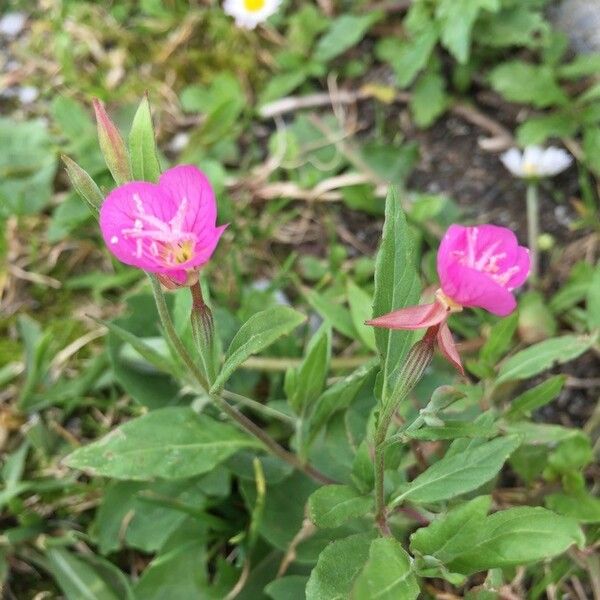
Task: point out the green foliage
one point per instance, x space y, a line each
259 332
333 505
387 573
123 477
27 167
467 541
462 470
396 285
171 443
542 356
142 145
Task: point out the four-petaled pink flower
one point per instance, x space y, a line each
168 228
478 267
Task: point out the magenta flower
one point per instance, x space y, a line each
478 267
168 228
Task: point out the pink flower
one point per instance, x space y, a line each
168 228
478 267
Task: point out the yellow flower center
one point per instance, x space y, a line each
254 5
447 302
529 169
179 252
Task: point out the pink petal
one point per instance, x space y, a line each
523 261
448 348
119 211
412 317
472 288
189 183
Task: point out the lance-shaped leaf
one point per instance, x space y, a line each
396 285
112 146
142 145
258 332
84 185
170 443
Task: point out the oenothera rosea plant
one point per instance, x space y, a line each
167 225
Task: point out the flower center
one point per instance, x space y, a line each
530 169
254 5
180 252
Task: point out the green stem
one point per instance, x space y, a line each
533 229
259 408
417 360
236 415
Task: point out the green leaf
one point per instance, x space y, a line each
457 18
467 541
256 334
429 99
309 378
387 574
146 349
27 167
537 130
454 429
593 301
333 505
142 145
522 82
543 356
361 310
178 573
408 57
582 66
517 25
338 565
509 538
591 148
171 443
396 285
575 290
536 397
500 338
84 185
581 506
336 314
345 31
460 472
77 579
290 587
430 540
338 397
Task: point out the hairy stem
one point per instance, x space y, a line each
242 420
533 229
417 360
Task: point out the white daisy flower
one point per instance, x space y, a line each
249 13
535 162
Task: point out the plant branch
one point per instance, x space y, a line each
533 229
236 415
417 360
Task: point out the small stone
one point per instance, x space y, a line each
12 24
28 94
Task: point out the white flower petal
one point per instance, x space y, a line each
555 160
250 18
512 160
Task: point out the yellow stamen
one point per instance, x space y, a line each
254 5
182 252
